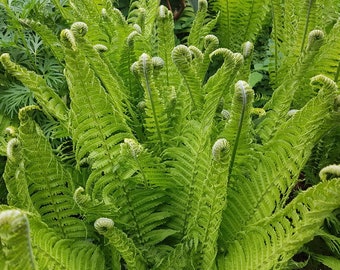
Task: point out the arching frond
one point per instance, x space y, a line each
49 38
218 87
54 252
46 96
258 191
98 127
49 184
238 130
272 242
183 59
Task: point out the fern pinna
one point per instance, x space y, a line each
158 158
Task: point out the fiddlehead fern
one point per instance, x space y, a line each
10 150
182 57
79 29
100 48
220 148
247 50
91 210
67 36
333 170
121 242
240 122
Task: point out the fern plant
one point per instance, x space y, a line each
162 166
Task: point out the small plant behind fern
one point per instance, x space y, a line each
161 166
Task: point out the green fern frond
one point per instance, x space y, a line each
50 185
294 21
199 29
97 126
295 92
328 61
218 85
121 242
16 249
189 165
141 214
151 170
45 96
210 44
49 38
90 13
54 252
15 178
238 130
183 59
165 44
156 121
213 202
239 21
90 209
258 188
271 243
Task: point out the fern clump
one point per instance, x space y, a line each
159 158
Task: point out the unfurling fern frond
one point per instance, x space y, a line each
239 129
15 178
156 121
45 96
212 205
16 250
121 242
218 89
167 78
199 27
98 127
183 58
333 170
276 176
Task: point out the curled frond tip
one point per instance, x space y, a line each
220 149
327 172
102 225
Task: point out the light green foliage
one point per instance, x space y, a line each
163 162
239 21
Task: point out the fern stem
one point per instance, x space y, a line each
133 214
239 128
306 25
228 24
336 77
276 40
249 20
147 84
